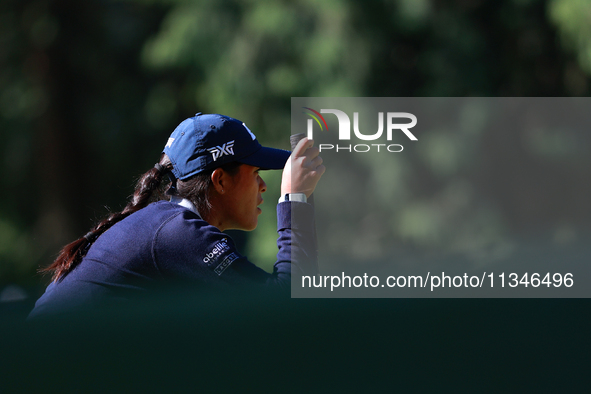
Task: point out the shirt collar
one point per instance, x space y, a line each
184 203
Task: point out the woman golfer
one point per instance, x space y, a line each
214 163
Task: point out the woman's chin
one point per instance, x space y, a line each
252 225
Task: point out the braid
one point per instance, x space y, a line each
73 253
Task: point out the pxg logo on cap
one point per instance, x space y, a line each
226 149
205 142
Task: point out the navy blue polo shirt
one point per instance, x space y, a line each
166 241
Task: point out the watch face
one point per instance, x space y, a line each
301 197
298 197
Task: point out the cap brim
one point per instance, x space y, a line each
267 158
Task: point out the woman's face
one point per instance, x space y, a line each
242 198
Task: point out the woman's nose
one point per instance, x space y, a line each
262 185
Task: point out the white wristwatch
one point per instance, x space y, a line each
300 197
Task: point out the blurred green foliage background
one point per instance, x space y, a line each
90 91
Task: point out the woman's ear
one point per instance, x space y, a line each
219 178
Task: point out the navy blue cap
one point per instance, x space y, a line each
205 142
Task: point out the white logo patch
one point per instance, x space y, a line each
169 143
217 250
249 132
219 151
224 264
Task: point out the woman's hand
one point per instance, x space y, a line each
303 169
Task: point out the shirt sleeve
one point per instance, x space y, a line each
188 248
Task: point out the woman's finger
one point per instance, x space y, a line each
312 152
301 147
316 162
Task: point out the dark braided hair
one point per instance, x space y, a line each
196 189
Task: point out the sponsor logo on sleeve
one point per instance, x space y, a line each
226 263
217 250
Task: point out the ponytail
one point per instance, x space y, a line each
73 253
